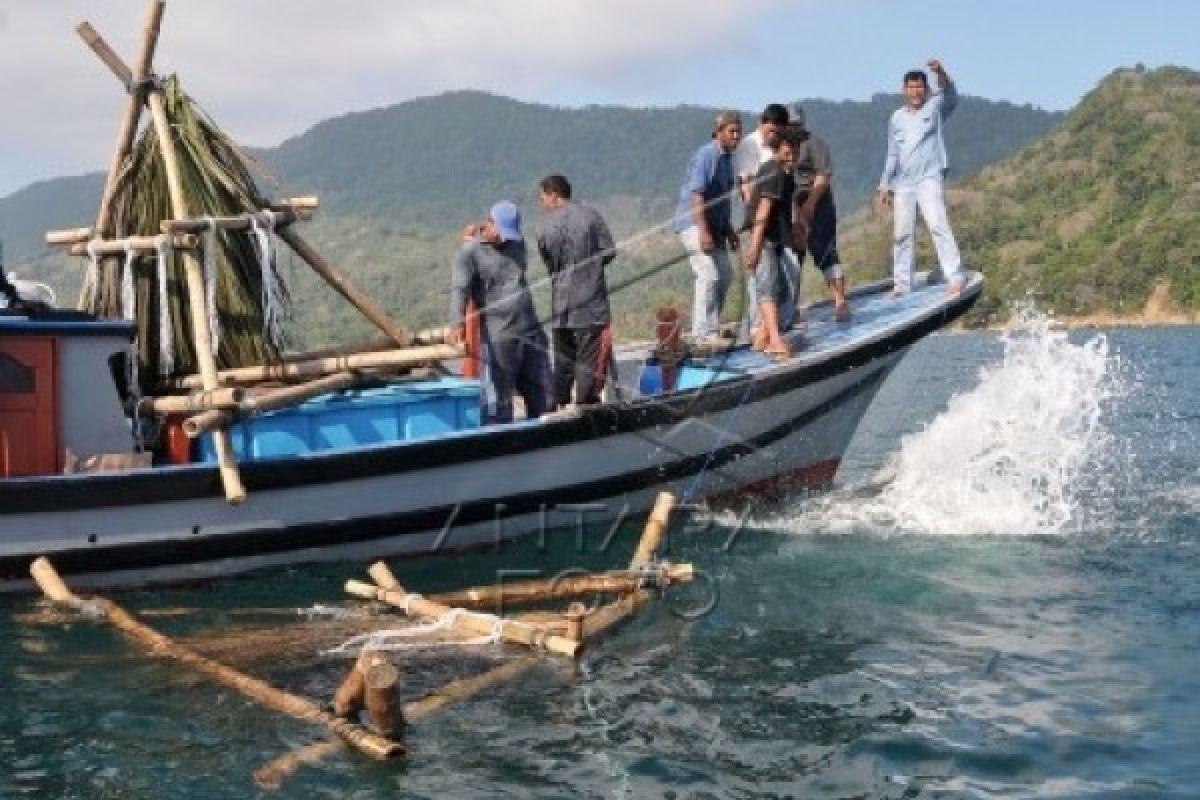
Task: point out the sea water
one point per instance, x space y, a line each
1000 599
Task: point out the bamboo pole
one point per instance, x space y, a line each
307 202
231 479
348 699
369 308
319 367
141 244
371 744
217 419
421 338
236 222
475 622
649 546
566 587
272 774
68 236
191 403
382 681
133 108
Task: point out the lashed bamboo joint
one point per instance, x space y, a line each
474 622
318 367
236 222
89 246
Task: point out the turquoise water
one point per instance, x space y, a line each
1001 599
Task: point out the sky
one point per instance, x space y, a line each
269 69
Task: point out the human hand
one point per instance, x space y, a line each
455 335
885 197
936 65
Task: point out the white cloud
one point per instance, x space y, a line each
269 68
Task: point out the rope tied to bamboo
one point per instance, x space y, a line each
144 85
166 342
128 297
91 278
399 639
272 290
210 282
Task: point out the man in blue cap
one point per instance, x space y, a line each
491 272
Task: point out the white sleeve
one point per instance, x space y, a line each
746 158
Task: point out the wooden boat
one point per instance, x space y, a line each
362 478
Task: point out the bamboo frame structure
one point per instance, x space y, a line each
217 419
231 479
236 222
474 622
320 367
566 587
365 741
140 244
191 403
577 623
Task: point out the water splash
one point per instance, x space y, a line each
1013 455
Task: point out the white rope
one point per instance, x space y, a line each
400 639
272 289
129 309
166 344
210 284
128 296
91 278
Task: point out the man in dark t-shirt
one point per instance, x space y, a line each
814 213
769 219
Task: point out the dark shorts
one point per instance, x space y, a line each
822 236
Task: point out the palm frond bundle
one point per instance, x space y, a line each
217 181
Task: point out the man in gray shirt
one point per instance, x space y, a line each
491 272
815 215
575 245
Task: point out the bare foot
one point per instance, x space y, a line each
841 311
759 339
780 352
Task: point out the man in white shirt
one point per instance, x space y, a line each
752 153
914 176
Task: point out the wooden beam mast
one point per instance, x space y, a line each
231 479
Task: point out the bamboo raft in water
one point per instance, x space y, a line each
373 685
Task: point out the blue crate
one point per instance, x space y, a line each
355 418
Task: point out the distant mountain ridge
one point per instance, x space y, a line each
428 163
397 183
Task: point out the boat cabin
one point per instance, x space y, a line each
59 373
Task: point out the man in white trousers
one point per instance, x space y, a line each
914 176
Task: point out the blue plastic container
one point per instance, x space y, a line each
355 418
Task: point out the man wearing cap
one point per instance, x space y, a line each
704 222
914 174
576 245
491 272
815 215
752 154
